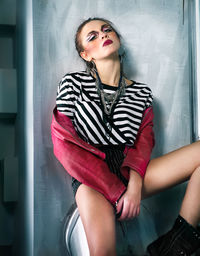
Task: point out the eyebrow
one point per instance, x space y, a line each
93 31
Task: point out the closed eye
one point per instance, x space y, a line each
107 29
91 37
94 34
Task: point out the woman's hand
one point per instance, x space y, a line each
129 203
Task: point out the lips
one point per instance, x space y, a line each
107 42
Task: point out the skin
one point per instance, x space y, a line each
96 212
106 58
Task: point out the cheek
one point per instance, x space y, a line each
116 38
91 48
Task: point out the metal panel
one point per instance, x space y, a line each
8 88
24 213
195 64
8 12
10 179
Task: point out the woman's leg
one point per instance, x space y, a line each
174 168
164 172
98 219
190 208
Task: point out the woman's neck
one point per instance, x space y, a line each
109 71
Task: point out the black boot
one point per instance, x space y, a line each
183 239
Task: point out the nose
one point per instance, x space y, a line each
103 35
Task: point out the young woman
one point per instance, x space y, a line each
102 132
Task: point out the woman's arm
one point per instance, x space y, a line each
82 161
137 160
129 204
138 156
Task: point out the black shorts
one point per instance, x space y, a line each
114 159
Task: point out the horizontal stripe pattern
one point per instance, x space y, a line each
77 98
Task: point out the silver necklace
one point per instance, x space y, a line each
108 100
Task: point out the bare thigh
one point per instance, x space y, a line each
98 219
171 169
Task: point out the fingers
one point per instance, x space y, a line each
129 211
128 207
125 212
119 207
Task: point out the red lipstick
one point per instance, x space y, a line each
107 42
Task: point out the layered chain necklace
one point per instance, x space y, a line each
108 100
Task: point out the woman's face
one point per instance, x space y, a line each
99 41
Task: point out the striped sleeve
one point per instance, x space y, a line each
66 96
149 100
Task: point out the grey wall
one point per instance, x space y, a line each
156 40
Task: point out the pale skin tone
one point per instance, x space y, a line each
96 212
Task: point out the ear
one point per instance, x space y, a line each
85 56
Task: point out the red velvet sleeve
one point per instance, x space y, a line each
82 161
138 156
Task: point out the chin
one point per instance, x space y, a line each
112 52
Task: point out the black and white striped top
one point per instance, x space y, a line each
77 98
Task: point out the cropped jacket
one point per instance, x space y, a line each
86 163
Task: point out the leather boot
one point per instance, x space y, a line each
183 239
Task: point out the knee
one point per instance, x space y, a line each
195 174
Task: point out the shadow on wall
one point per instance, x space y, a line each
158 129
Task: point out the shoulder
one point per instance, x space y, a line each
141 87
76 77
